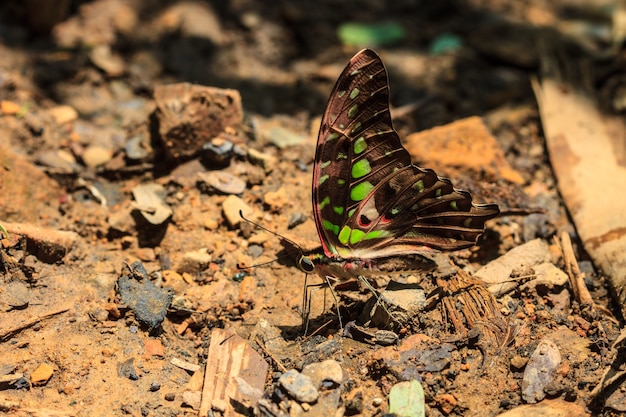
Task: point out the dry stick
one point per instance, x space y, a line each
581 293
278 363
6 334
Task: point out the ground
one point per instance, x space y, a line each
106 166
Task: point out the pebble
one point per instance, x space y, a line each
148 302
149 199
42 374
255 251
267 162
518 362
102 57
194 261
155 386
222 182
231 207
63 114
16 295
323 373
170 396
299 386
62 161
217 153
95 155
540 371
136 148
9 107
192 399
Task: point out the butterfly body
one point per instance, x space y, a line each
341 269
375 211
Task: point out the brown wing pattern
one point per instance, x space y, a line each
368 199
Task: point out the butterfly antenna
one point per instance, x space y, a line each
268 230
255 265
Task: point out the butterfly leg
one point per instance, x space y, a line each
334 295
306 302
379 300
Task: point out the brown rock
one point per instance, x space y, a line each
465 144
191 115
42 374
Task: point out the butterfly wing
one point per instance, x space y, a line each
368 199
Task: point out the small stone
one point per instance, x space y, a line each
137 148
518 362
150 201
267 162
63 114
102 57
217 153
192 399
299 386
195 261
9 107
255 251
222 182
276 199
61 160
146 254
95 155
231 207
540 371
170 396
42 374
153 347
324 373
16 295
155 386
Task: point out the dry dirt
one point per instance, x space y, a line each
80 134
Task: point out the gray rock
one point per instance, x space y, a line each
299 386
327 373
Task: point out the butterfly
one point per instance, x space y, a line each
375 212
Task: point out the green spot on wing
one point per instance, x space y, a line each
324 202
353 111
453 205
341 182
344 235
361 168
323 178
376 234
360 191
419 186
438 193
341 93
356 128
332 136
351 212
356 236
331 227
354 93
325 164
341 155
360 145
338 210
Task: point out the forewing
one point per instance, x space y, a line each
369 201
356 147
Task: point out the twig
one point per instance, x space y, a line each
581 293
278 363
6 334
